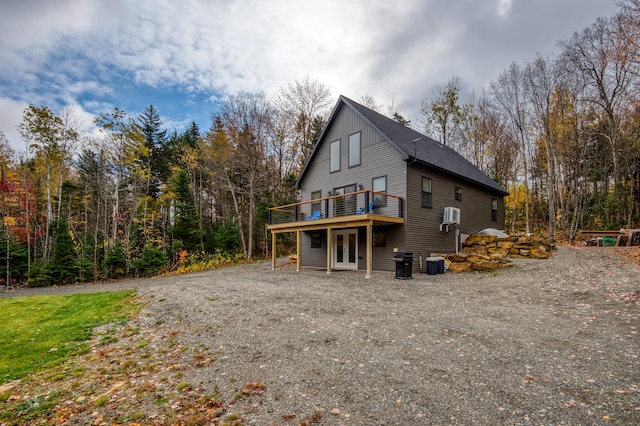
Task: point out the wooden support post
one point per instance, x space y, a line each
329 249
273 250
369 249
298 250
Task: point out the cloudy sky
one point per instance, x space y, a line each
184 56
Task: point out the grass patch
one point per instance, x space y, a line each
39 331
33 408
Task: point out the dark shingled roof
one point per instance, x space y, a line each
412 144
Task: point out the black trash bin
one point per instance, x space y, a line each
435 265
431 265
404 265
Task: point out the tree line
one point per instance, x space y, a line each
560 133
137 200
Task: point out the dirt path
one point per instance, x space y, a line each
544 342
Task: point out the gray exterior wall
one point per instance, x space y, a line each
378 158
317 257
421 232
423 225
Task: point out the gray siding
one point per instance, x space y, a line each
421 233
423 226
317 257
378 158
314 256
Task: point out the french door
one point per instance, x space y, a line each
345 249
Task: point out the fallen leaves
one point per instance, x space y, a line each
135 377
253 388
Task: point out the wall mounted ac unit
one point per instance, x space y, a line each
451 216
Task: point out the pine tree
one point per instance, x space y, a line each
62 265
187 222
155 140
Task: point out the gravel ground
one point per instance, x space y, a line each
544 342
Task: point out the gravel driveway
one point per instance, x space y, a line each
544 342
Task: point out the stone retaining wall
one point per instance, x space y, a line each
484 252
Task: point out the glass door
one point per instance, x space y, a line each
345 249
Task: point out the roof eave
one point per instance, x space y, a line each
499 190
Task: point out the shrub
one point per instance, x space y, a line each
116 262
150 262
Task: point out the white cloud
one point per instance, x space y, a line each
10 116
504 6
391 50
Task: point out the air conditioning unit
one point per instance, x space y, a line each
451 216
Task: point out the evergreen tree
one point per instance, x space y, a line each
62 265
155 140
192 134
116 262
187 222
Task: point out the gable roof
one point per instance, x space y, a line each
412 146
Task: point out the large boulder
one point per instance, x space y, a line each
477 249
498 253
459 266
458 257
485 265
478 240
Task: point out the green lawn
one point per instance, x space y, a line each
38 331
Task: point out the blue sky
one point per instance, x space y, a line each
183 57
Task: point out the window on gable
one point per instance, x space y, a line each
354 149
458 193
379 184
335 156
426 192
494 210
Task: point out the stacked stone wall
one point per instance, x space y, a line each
484 252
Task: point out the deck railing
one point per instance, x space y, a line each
351 204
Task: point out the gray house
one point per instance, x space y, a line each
373 188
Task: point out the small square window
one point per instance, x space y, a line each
458 193
316 240
426 192
379 238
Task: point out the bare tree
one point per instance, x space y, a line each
542 78
301 103
603 64
370 102
247 120
509 96
443 112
